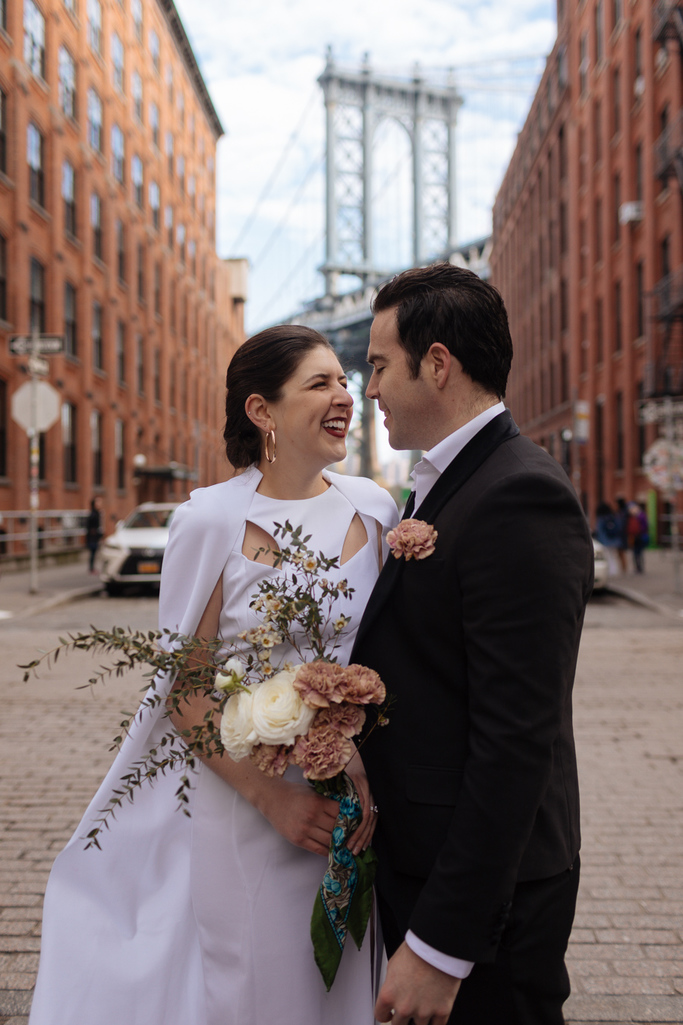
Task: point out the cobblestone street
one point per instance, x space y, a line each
626 956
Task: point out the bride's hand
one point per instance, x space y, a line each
300 815
361 838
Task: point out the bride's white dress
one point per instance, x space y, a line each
205 920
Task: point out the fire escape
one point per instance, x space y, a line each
666 358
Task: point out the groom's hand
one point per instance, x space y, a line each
414 991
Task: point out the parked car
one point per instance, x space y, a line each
601 566
133 554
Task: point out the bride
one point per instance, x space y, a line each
204 920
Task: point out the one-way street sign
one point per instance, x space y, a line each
48 345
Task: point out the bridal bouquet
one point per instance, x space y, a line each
304 713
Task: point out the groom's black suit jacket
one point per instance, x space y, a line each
475 773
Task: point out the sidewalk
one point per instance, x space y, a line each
655 587
57 585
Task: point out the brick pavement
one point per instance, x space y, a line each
626 954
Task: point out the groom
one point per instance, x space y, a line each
475 773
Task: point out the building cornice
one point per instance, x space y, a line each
187 53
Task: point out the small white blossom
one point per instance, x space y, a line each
310 564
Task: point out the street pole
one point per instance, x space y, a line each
670 433
34 460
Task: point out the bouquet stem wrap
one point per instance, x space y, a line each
344 901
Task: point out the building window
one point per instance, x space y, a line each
37 297
169 84
168 222
617 12
599 337
181 110
155 203
157 288
96 335
618 323
137 177
192 189
70 333
599 32
192 252
3 14
94 120
96 446
181 174
616 100
3 131
95 26
117 62
616 226
141 272
640 299
598 229
583 63
638 155
136 8
665 256
597 131
169 152
120 453
3 279
120 352
180 239
619 429
69 197
69 435
637 55
34 155
3 428
154 123
67 82
96 224
121 250
157 376
171 384
140 364
642 433
34 38
118 153
136 90
564 305
154 51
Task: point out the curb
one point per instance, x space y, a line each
642 599
60 598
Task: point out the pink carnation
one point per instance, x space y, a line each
412 539
320 683
322 753
363 686
272 759
346 719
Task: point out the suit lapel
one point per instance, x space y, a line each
476 452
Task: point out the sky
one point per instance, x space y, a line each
261 61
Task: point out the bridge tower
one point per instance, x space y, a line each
355 103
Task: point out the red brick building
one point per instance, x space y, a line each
588 241
107 236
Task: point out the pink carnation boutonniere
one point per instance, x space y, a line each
412 539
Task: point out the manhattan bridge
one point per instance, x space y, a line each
365 113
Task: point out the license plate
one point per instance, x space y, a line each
149 567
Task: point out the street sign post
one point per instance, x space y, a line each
35 407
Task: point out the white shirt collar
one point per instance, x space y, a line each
426 473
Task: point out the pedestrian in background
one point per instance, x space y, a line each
622 548
93 530
608 532
638 531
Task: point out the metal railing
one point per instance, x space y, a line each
59 530
668 146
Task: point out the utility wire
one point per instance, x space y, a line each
275 172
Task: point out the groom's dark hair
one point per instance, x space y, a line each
453 306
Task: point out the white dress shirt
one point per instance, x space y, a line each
425 475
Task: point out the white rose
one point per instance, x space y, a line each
278 713
237 726
233 672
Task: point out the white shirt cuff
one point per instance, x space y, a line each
454 966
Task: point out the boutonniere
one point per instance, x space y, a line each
412 539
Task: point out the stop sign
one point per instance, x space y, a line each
48 405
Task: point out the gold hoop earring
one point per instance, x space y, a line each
270 436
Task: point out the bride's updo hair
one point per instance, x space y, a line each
261 366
